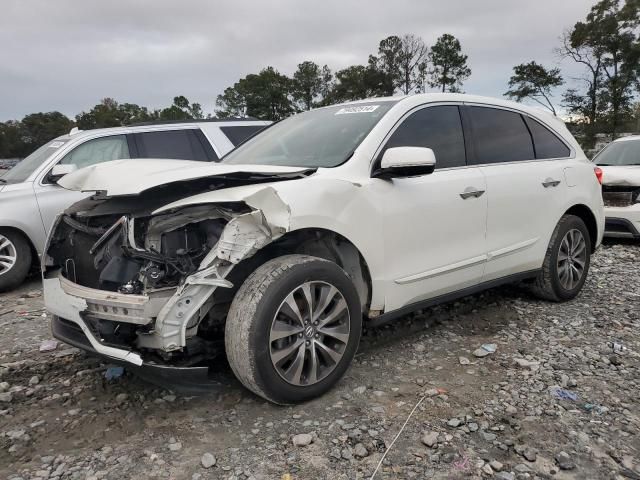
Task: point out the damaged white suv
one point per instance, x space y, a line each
349 214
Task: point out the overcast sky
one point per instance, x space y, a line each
68 54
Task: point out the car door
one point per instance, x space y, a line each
433 225
526 191
53 199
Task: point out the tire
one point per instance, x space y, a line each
15 259
261 311
551 282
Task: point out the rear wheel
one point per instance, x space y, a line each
566 263
293 328
15 259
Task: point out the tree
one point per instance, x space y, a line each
266 95
586 104
404 60
532 80
181 110
11 143
449 67
360 81
37 129
109 113
608 44
311 84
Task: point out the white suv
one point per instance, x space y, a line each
349 214
620 165
30 199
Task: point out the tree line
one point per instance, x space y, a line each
603 98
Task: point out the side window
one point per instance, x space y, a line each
174 144
437 128
500 136
239 134
98 150
547 144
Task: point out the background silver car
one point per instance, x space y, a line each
30 198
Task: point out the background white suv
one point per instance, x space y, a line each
30 198
620 164
274 256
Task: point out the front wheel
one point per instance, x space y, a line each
15 259
293 328
566 263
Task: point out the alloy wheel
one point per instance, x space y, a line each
8 254
309 333
572 258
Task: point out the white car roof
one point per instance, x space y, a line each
75 133
628 138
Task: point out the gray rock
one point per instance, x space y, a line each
496 465
454 422
360 451
430 439
207 460
564 461
504 476
121 398
35 380
464 361
6 397
174 447
302 439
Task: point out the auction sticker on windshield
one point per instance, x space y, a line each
360 109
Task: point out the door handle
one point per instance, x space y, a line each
471 192
550 182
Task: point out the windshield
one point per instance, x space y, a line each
622 153
325 137
26 167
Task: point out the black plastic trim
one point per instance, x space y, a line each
448 297
621 222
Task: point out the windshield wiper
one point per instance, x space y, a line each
2 180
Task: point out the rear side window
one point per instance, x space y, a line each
98 150
240 133
174 144
547 144
437 128
500 136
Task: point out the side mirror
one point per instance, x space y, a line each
406 162
60 170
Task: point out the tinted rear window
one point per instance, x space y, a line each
174 144
500 136
547 144
239 134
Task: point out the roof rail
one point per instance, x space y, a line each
202 120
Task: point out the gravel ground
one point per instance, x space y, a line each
557 399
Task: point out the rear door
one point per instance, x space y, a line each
525 182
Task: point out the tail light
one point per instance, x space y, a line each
598 172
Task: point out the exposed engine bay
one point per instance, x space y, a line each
140 277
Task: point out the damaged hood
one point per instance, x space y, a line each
619 175
134 176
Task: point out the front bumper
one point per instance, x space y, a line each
184 379
622 222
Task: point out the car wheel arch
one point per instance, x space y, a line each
584 212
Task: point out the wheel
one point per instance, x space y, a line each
15 259
293 328
566 263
